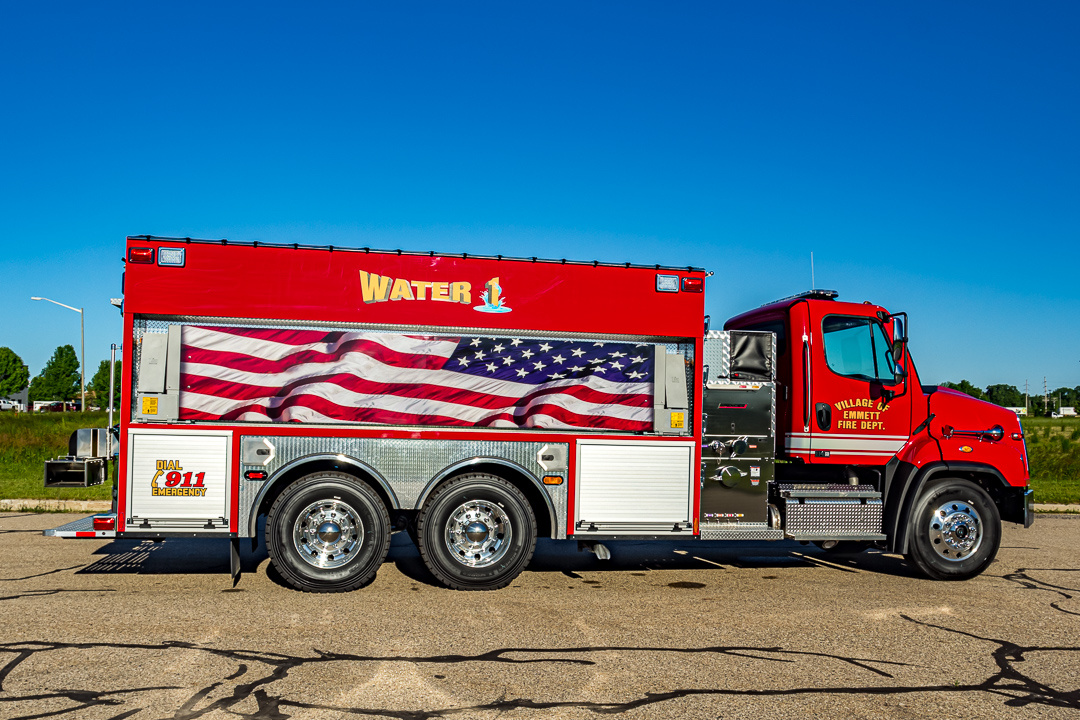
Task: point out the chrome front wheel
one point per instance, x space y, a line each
954 530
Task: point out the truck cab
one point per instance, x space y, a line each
850 410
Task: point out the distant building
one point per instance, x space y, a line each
15 402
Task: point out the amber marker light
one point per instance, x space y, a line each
553 480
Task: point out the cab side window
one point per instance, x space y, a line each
857 347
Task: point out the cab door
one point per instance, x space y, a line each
859 413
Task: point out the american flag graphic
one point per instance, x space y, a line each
282 375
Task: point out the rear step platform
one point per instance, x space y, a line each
84 528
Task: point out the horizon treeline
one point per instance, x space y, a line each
1011 396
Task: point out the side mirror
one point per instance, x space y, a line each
897 352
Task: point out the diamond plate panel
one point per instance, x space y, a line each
407 465
739 531
717 355
814 516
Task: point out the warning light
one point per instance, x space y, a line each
667 283
141 255
693 284
255 475
553 480
170 257
104 522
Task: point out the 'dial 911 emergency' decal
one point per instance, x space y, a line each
285 375
175 482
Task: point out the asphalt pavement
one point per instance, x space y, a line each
136 629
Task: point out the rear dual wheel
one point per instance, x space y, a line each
476 532
328 532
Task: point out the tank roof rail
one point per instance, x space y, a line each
430 253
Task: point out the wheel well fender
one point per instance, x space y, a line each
529 485
287 474
908 483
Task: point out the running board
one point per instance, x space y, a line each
83 528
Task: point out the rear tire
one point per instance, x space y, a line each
954 530
477 532
328 532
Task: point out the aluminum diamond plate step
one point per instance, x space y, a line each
83 528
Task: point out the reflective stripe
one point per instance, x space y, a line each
884 445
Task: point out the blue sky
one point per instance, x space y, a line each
928 154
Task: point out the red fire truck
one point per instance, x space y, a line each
479 402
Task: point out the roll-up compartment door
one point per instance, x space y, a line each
637 484
179 479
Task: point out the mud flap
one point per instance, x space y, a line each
234 560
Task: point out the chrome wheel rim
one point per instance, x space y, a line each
327 534
955 531
478 533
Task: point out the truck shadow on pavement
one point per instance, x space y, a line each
191 556
251 688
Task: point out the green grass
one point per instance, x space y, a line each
1054 455
28 440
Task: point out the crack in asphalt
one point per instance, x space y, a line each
1018 688
50 572
54 591
1021 577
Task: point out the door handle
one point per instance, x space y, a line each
824 415
806 385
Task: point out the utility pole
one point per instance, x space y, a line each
1046 396
1026 409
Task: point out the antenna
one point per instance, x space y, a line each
813 284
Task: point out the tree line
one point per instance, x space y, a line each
1011 396
59 379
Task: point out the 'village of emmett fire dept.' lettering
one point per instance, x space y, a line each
860 414
177 482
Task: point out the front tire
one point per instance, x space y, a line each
328 532
477 532
954 530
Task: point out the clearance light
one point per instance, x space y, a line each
141 255
170 257
255 475
553 480
667 283
693 284
104 522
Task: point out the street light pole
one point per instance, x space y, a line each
82 347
